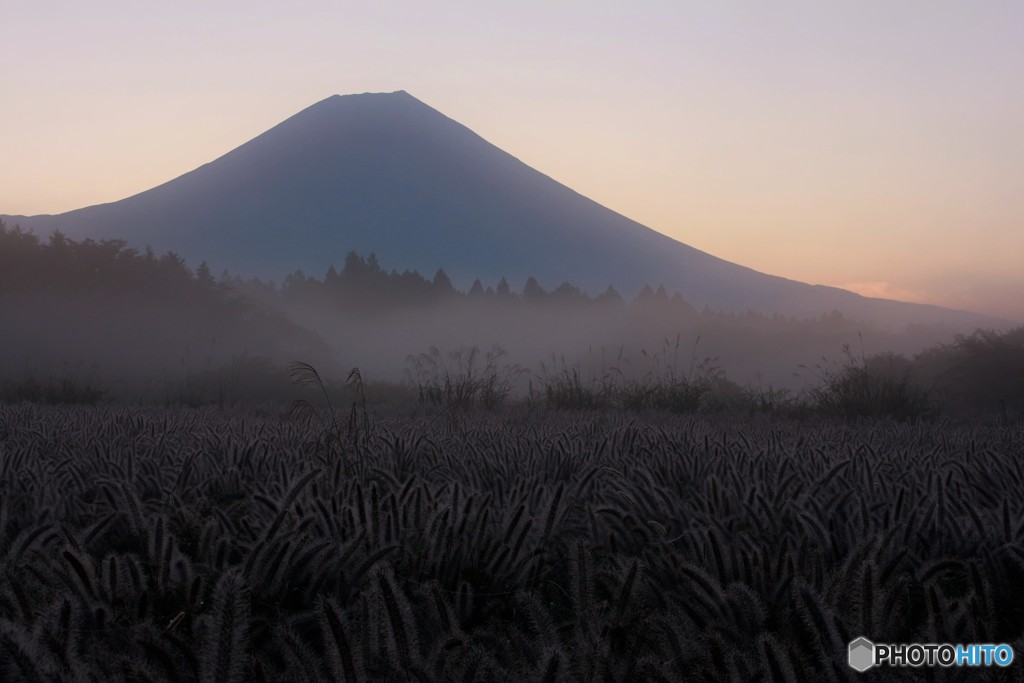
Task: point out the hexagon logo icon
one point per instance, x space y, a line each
862 654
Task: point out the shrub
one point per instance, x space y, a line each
979 373
51 390
662 385
459 380
566 389
876 386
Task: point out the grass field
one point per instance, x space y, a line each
234 545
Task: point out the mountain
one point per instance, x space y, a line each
384 172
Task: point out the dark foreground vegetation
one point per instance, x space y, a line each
235 545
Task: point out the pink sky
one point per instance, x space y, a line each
866 144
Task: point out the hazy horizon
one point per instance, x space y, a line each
865 146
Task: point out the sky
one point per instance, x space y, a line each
867 144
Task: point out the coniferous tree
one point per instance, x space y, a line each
569 294
681 305
533 290
661 296
441 284
371 263
204 277
331 278
646 296
610 296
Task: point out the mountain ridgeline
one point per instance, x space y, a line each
386 173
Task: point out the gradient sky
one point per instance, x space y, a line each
869 144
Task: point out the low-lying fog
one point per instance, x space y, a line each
142 348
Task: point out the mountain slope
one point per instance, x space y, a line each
387 173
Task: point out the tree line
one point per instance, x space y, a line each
29 264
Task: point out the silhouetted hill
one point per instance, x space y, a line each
388 174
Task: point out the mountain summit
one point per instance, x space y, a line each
384 172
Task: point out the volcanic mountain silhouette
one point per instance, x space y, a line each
385 173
